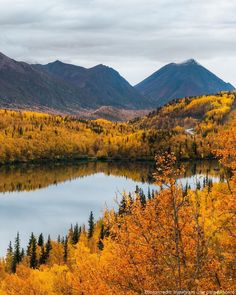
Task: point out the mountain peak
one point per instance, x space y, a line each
177 80
100 66
190 61
56 62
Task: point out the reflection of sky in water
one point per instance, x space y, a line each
53 209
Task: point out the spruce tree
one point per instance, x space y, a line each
42 258
22 253
76 234
65 249
122 206
70 234
40 240
30 244
17 253
10 249
33 253
101 237
142 197
91 225
149 193
48 248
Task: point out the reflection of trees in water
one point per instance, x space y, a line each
31 177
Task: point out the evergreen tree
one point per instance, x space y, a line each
198 185
122 206
17 253
65 249
33 253
210 184
42 258
149 193
10 249
91 225
30 244
185 191
70 234
48 248
22 253
76 234
142 197
101 237
40 240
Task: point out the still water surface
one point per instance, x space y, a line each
50 198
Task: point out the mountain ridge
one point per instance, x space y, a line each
102 85
23 85
59 87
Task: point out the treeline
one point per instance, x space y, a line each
40 252
29 136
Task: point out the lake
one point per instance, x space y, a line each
49 198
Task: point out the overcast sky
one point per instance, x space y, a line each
136 37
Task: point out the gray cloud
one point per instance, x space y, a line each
134 36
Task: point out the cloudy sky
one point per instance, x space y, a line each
136 37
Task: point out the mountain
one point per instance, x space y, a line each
23 86
99 91
64 88
177 80
101 85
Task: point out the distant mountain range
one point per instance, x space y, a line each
99 85
178 80
100 90
64 87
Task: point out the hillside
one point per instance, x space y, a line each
62 88
31 136
23 86
113 114
178 80
100 85
190 112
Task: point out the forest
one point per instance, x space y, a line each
37 137
174 239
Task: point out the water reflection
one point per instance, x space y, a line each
49 198
32 177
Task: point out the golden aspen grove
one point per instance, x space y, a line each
174 239
30 137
